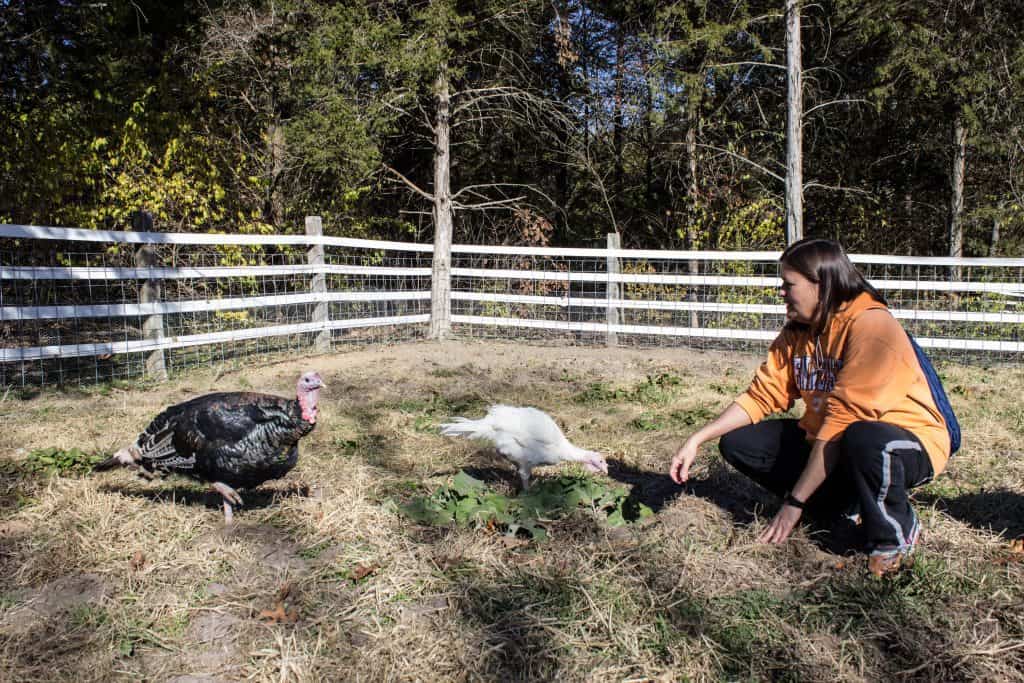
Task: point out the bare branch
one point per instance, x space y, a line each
837 188
741 158
834 102
774 66
415 188
497 203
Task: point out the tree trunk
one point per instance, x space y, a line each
440 290
619 119
273 207
956 197
693 266
794 127
993 247
648 135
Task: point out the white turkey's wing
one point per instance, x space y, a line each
527 434
509 444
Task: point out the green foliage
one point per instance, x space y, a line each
468 502
58 461
247 116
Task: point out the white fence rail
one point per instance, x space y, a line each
68 294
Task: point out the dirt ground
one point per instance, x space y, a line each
110 577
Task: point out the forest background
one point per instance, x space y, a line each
547 122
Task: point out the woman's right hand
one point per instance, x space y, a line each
679 470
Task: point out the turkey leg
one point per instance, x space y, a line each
524 477
230 497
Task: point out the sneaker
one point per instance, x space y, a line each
890 561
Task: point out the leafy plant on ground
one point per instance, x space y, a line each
468 501
56 460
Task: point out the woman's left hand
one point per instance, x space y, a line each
781 526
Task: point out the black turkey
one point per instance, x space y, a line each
231 439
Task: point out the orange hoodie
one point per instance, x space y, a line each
862 368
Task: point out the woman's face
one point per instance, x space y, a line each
800 296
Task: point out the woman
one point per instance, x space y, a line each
871 429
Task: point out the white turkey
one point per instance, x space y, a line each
230 439
525 436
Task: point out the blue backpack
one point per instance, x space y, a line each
939 396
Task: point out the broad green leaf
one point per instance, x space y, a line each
466 485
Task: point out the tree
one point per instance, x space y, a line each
794 126
458 70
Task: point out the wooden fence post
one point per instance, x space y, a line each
149 293
318 285
613 289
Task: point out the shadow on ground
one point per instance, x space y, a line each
656 490
743 500
1000 511
254 500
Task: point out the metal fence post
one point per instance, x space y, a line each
318 285
149 293
613 290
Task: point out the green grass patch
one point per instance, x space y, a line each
428 413
652 421
653 390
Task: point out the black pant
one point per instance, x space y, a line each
878 463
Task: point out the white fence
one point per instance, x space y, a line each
92 305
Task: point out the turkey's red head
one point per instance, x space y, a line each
308 393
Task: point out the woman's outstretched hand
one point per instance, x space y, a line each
679 470
782 525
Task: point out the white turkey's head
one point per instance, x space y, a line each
308 393
594 462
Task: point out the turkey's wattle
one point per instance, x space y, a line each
232 440
525 436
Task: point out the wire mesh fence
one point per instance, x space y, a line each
79 306
78 312
963 308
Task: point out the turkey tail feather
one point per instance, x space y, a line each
473 429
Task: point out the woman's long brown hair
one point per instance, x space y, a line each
824 263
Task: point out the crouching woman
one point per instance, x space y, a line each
871 429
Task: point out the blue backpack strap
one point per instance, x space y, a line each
938 395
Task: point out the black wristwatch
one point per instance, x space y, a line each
790 499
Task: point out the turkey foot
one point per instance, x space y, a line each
230 497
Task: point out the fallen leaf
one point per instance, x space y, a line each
278 615
1017 545
138 560
361 571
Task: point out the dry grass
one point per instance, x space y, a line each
109 577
